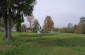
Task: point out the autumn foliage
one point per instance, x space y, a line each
48 24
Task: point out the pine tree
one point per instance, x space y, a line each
12 10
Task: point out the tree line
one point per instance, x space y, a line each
77 28
48 26
34 25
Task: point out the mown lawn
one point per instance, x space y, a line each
43 44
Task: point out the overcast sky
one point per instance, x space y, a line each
61 11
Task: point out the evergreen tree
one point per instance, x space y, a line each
12 10
36 26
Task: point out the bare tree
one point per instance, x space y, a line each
31 21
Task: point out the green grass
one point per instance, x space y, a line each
43 44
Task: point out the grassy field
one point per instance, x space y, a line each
43 44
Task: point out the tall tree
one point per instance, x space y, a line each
36 26
81 26
48 24
31 21
11 10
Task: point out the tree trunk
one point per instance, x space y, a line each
7 22
8 29
30 25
